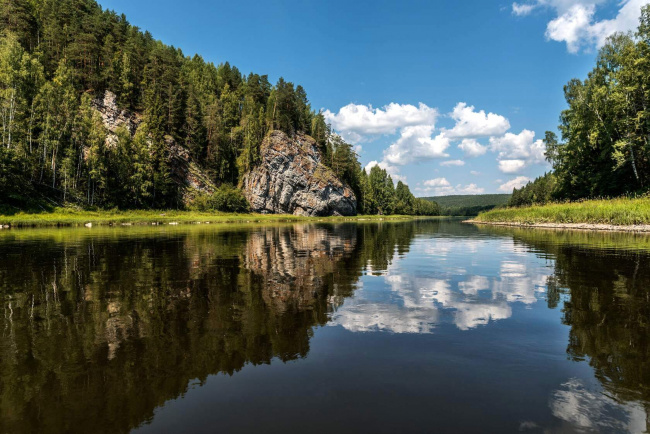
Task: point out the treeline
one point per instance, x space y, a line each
380 196
605 147
468 205
57 56
537 192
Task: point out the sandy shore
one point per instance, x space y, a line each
573 226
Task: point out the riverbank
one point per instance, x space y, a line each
67 218
629 215
575 226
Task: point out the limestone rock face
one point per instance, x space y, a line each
185 171
292 180
113 117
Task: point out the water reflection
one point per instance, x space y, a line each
419 300
591 411
100 328
98 332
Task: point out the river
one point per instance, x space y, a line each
418 326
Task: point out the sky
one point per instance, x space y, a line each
449 96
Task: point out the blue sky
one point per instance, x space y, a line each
445 94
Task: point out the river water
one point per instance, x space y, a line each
422 326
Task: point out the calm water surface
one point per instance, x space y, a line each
426 326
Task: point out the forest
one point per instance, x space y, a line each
604 150
57 56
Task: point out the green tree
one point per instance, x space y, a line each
404 200
382 191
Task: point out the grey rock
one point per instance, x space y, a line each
292 180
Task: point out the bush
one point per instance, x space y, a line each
226 198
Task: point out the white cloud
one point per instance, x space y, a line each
522 9
517 182
355 121
442 187
518 151
475 173
575 22
449 163
472 148
415 144
511 166
470 189
572 27
438 182
473 124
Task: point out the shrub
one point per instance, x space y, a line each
226 198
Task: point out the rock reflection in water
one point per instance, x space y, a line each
99 332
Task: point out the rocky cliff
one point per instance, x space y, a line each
292 180
185 171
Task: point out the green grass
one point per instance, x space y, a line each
71 217
607 211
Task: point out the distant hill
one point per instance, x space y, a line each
469 205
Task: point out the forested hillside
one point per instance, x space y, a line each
58 56
468 205
604 149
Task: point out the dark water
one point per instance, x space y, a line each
427 326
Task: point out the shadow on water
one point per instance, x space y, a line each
100 328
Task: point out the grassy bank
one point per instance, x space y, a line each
612 212
68 217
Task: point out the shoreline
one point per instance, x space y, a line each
571 226
89 219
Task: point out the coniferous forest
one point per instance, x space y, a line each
604 149
57 56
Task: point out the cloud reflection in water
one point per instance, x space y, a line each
448 289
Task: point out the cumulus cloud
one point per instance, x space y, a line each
518 151
438 182
575 23
357 122
475 173
416 138
517 182
442 187
511 166
472 148
473 124
417 143
449 163
470 189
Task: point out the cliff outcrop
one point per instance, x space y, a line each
185 171
292 180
